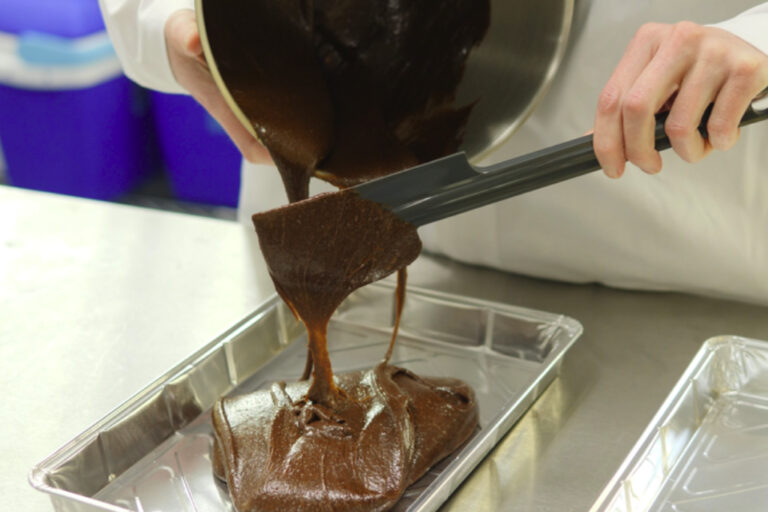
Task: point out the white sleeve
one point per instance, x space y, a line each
751 25
136 28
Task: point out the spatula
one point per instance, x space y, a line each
450 185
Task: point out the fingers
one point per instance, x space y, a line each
189 69
657 82
744 83
609 134
670 73
253 151
181 33
651 88
249 147
214 103
689 67
697 91
189 35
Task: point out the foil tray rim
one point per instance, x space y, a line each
667 409
429 501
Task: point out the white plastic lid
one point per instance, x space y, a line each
38 61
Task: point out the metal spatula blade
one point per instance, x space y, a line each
451 185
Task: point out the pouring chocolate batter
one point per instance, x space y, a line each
356 441
315 265
347 91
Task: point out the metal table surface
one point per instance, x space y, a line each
98 299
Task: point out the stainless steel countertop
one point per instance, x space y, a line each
97 299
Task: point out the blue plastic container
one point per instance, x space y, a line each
91 142
203 164
70 122
64 18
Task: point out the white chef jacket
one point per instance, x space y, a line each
699 228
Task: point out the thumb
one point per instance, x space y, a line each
192 45
184 33
190 36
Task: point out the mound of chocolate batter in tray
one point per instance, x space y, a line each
347 91
283 452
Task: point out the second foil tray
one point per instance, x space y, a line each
707 447
153 452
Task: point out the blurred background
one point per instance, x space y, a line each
72 123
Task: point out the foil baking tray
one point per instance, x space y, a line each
153 451
707 447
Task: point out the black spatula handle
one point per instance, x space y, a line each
533 171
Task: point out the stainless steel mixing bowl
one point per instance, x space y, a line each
507 74
511 70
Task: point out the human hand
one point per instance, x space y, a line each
185 54
687 66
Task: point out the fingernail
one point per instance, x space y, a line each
614 172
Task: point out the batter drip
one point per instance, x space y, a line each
320 250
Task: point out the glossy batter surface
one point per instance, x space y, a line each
320 250
279 451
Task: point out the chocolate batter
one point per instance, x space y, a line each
280 452
357 441
319 251
345 90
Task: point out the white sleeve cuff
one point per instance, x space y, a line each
751 26
137 30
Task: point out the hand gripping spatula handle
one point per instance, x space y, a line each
450 185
